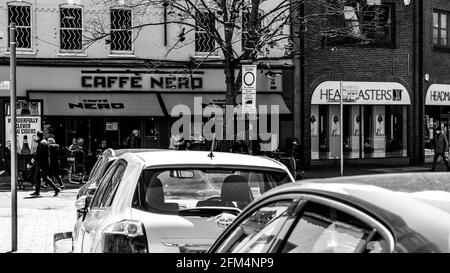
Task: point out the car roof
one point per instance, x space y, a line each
174 157
120 152
425 213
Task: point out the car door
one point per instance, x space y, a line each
99 208
327 226
257 231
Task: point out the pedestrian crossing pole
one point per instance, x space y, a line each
12 91
342 127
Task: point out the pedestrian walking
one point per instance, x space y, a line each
55 167
42 166
440 148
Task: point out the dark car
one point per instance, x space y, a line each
393 213
101 165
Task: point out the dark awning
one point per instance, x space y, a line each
98 104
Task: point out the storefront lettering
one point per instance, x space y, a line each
96 105
440 96
176 83
369 94
110 82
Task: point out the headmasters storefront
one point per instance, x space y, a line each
104 105
374 122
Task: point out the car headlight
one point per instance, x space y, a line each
125 237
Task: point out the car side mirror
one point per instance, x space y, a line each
81 204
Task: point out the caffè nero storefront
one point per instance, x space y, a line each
437 113
103 106
373 125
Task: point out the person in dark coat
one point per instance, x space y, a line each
440 148
55 168
134 141
42 165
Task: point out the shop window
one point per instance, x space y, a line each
440 29
363 24
71 29
20 14
323 131
204 37
121 33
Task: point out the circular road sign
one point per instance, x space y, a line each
249 78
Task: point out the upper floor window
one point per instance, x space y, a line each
71 29
204 39
20 15
370 24
121 32
440 29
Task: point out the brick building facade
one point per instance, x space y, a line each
375 129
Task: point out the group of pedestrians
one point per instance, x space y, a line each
46 165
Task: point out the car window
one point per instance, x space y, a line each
106 180
186 191
323 229
259 231
110 192
96 167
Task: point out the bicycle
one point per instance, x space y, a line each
75 170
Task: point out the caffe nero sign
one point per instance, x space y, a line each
96 104
144 82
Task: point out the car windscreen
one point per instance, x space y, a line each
192 191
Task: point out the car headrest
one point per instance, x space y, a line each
235 188
155 199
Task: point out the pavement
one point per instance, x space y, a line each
350 170
38 219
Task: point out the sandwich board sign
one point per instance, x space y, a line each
249 89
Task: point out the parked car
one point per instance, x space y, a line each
171 201
98 170
405 213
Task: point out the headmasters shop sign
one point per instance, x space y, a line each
376 93
438 95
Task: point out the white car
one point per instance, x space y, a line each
171 201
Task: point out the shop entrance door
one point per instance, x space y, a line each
445 125
111 139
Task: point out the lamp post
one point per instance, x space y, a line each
342 125
12 49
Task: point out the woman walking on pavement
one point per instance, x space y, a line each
42 166
55 169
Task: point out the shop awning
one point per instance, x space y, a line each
98 104
438 95
171 100
361 93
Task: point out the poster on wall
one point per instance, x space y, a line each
314 126
379 128
27 127
335 126
356 125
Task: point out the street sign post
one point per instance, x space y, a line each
12 91
249 89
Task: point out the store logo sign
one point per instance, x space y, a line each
101 104
361 93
